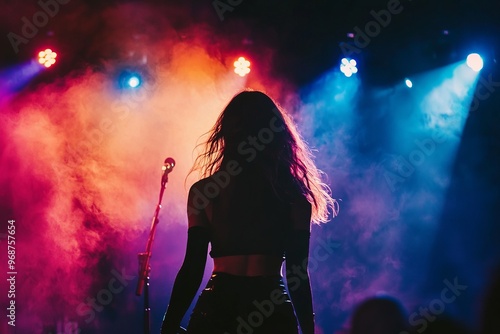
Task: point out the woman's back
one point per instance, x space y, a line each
249 218
250 223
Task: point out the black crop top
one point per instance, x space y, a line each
248 216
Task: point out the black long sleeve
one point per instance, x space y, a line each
298 282
188 279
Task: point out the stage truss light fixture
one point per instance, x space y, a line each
348 67
129 79
134 81
47 58
475 62
241 66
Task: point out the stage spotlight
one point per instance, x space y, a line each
242 67
129 80
47 58
408 83
348 67
134 81
475 62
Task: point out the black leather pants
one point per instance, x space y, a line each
243 305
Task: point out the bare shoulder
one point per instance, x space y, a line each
199 203
200 183
200 190
211 186
202 187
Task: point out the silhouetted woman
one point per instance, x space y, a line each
260 193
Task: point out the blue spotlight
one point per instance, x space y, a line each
475 62
129 80
348 67
134 81
408 83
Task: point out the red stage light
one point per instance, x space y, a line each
242 67
47 57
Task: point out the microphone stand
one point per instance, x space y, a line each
144 258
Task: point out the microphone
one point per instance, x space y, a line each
168 166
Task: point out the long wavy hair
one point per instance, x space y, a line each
252 116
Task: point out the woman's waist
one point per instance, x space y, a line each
228 287
230 282
250 265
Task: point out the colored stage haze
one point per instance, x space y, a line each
15 78
81 169
389 154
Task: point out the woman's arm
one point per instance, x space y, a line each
190 275
297 255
